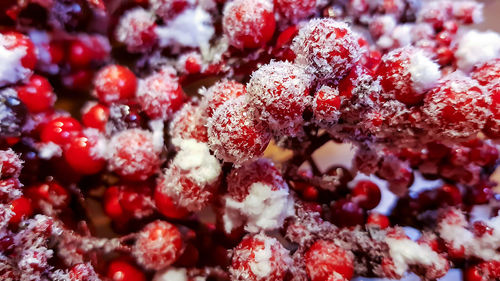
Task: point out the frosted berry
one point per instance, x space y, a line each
158 245
326 105
48 196
114 83
189 122
166 206
279 91
121 270
61 130
330 47
221 92
19 54
160 94
378 220
295 11
136 29
21 209
10 164
37 94
487 74
83 272
95 116
133 154
259 258
234 134
14 40
168 9
406 74
83 155
325 261
367 194
248 24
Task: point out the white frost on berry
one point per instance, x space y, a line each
171 274
192 28
49 150
264 208
477 47
195 159
130 26
11 68
423 71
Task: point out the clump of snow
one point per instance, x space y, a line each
49 150
132 27
11 68
477 47
423 71
171 274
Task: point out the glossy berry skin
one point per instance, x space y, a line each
367 194
115 83
112 206
248 24
21 208
60 130
346 213
37 94
96 117
158 245
325 261
80 54
82 157
166 206
121 270
48 193
379 220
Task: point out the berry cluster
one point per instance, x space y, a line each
133 136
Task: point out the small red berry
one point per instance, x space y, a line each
346 213
166 206
367 194
37 94
60 130
325 261
221 92
114 83
377 219
19 40
80 54
48 193
96 116
83 156
21 208
119 270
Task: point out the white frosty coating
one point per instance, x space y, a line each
405 252
165 8
279 91
322 115
157 128
130 26
324 53
382 25
41 39
192 28
99 143
195 158
14 163
49 150
171 274
477 47
189 122
264 208
11 68
460 8
423 71
242 17
260 265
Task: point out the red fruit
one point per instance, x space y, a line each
14 40
487 74
450 195
234 135
80 54
330 47
254 250
56 51
492 126
160 94
310 193
248 24
114 83
367 194
280 92
60 130
37 94
444 56
96 116
136 29
484 271
111 203
376 219
83 272
346 213
133 154
325 261
83 155
326 105
406 74
166 206
119 270
189 123
468 12
50 193
21 208
221 92
10 164
484 154
158 245
295 11
80 80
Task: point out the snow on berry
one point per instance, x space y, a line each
457 108
192 177
407 73
468 12
114 83
248 24
279 91
326 105
294 11
488 73
219 93
189 123
136 29
477 47
234 135
436 13
160 94
37 94
10 164
325 261
259 258
168 9
18 57
158 245
257 195
328 46
132 154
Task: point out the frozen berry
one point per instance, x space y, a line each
95 116
379 220
325 261
61 130
168 9
346 213
10 164
37 94
295 11
189 122
221 92
19 54
48 196
114 83
167 207
121 270
367 194
83 154
136 29
488 73
326 105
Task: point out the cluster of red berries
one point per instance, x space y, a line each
132 136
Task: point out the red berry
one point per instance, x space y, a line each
367 194
248 24
326 105
10 164
234 135
119 270
325 261
115 83
95 116
444 56
487 74
484 154
295 11
160 94
111 203
450 195
346 213
83 272
376 219
21 209
83 155
50 193
79 80
80 54
330 47
14 40
60 130
136 29
169 9
189 123
158 245
221 92
166 206
37 94
252 252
